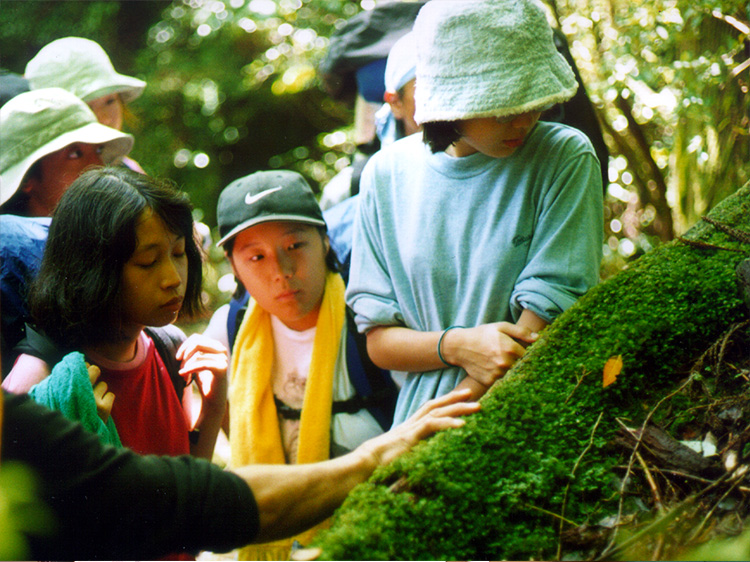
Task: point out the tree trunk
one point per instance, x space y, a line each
538 458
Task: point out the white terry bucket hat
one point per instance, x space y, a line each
486 58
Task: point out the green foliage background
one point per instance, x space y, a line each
232 88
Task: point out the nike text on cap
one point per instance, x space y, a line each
277 195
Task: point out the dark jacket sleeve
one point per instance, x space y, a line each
112 502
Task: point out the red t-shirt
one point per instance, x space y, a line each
148 415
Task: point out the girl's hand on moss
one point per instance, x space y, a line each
486 352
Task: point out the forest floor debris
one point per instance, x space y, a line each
686 487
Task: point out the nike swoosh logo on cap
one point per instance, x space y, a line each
250 199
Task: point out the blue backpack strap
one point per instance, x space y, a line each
372 383
340 221
237 308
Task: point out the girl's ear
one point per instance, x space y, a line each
31 184
326 244
397 106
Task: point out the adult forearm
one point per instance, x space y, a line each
292 498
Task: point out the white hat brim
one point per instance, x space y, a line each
129 88
268 218
116 145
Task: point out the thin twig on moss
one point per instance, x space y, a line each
651 483
735 233
579 380
721 499
661 522
572 475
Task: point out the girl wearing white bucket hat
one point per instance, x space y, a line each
471 242
82 67
47 138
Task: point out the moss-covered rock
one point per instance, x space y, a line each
495 489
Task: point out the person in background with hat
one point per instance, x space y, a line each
468 244
353 70
83 68
47 138
301 390
394 119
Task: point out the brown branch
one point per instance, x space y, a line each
611 547
735 233
706 246
659 523
658 200
697 531
662 226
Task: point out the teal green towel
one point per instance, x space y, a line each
68 389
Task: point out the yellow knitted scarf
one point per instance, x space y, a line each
255 437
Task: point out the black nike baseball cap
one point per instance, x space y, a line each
276 195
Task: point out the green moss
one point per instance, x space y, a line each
489 489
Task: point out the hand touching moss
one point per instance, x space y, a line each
486 352
444 412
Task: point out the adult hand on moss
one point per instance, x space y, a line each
291 498
439 413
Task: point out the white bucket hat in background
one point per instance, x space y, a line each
81 67
400 68
401 65
37 123
486 58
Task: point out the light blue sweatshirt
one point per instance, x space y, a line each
442 241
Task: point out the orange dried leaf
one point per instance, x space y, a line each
612 368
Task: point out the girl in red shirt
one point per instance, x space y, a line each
121 256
